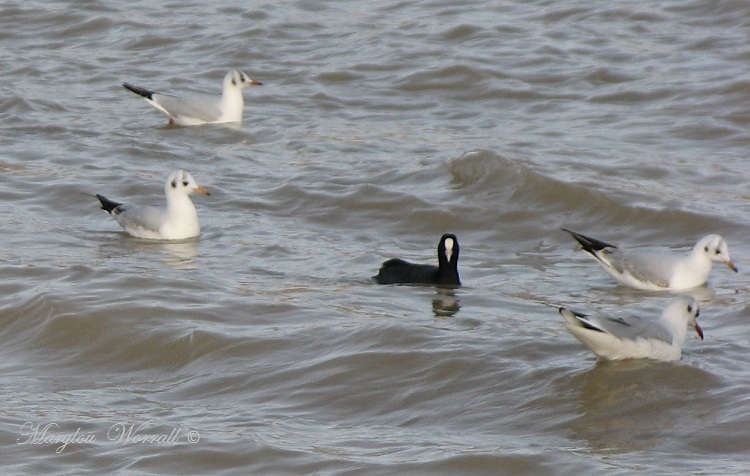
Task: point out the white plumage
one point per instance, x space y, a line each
636 337
201 109
652 271
177 220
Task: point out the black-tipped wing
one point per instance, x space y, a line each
589 244
107 204
625 328
139 90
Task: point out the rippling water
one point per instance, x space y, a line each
264 348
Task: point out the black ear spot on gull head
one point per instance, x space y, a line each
174 183
234 82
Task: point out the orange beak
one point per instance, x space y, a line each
731 266
253 82
201 190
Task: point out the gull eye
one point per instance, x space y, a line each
185 183
718 252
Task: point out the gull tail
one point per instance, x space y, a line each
577 319
107 204
592 245
140 91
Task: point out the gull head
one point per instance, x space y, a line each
716 249
184 183
238 79
686 310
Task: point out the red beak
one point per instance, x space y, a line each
699 330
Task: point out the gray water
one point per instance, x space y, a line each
264 347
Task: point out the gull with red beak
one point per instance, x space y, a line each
657 271
615 338
201 109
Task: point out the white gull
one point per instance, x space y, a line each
615 338
201 109
177 221
651 271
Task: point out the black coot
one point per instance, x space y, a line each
398 271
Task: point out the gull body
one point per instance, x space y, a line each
654 271
636 337
178 220
201 109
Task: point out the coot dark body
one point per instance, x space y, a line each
398 271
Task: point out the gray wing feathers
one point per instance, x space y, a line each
631 328
151 218
204 108
657 269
